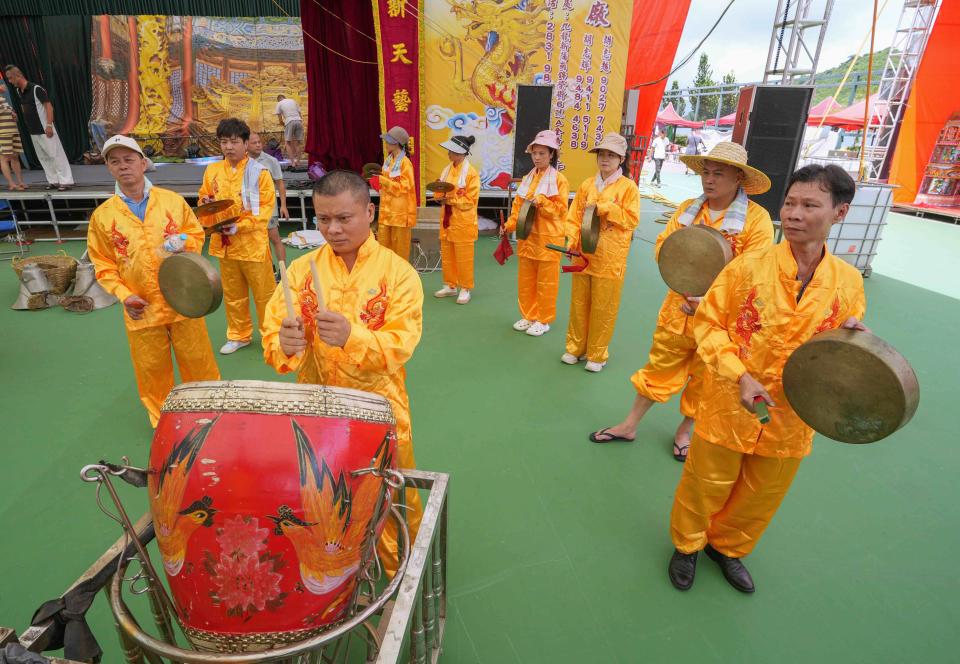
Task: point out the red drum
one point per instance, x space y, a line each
261 517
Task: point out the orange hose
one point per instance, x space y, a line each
866 105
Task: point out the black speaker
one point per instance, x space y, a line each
772 133
534 103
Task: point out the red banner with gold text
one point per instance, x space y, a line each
398 35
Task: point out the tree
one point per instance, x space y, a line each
707 107
729 104
674 96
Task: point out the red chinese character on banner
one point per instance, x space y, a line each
599 16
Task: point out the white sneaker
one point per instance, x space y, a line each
538 329
569 358
522 324
446 291
232 347
595 367
464 296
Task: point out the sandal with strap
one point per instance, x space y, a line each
610 437
680 453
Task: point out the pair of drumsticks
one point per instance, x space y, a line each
288 296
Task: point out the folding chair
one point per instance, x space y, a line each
8 222
426 240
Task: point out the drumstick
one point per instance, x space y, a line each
316 286
760 407
287 296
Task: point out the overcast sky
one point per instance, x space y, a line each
741 40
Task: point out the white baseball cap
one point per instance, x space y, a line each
120 141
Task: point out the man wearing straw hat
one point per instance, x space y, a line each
726 180
127 238
360 327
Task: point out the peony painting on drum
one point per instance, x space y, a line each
262 518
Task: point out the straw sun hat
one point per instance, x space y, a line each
733 154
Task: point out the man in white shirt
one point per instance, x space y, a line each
659 147
289 115
255 150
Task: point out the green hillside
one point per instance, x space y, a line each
856 83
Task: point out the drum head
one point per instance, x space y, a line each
370 169
440 186
692 257
851 386
190 285
590 229
210 209
528 213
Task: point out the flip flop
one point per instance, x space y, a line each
680 453
612 437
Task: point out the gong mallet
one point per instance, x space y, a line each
316 285
287 296
570 253
761 410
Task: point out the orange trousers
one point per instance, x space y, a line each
594 303
396 239
457 259
726 499
537 286
153 365
673 359
387 546
239 278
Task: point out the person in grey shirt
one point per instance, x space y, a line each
255 150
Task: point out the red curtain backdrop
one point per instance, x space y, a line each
654 36
934 97
344 120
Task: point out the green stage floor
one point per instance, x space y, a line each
558 548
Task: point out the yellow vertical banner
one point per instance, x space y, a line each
476 52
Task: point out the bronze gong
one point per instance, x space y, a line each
190 284
851 386
692 257
590 229
525 219
440 186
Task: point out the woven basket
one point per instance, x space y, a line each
60 269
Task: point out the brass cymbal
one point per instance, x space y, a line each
440 186
692 257
212 208
370 169
215 227
190 284
590 229
528 214
851 386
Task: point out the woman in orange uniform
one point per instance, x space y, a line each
458 225
539 272
398 194
595 299
758 311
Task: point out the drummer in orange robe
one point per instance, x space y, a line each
370 324
458 225
128 237
398 194
595 297
538 277
759 310
726 180
242 247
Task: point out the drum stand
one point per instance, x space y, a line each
411 608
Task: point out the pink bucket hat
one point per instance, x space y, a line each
547 138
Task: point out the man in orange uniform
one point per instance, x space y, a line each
369 327
243 247
726 179
398 193
458 223
759 310
538 277
127 238
595 296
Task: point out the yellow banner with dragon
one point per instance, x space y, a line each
476 52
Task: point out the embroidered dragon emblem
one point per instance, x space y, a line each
308 305
120 241
375 310
172 227
748 322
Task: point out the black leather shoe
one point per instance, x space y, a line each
682 569
733 570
